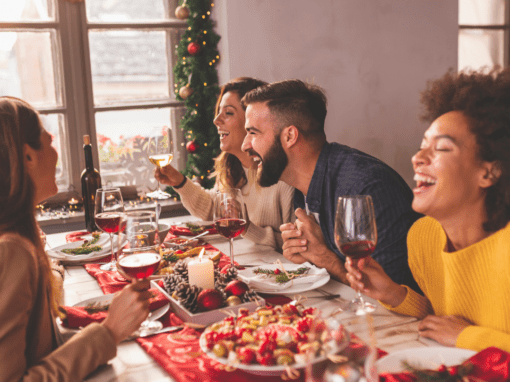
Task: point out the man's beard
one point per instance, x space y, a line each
273 164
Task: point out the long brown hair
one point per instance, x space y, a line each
228 169
19 125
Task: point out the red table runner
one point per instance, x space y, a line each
489 365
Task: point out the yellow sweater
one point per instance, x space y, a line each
473 283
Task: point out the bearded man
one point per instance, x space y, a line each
285 134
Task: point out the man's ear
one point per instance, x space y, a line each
289 136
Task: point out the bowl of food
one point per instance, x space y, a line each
146 231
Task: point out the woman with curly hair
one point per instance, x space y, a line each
458 252
268 208
28 307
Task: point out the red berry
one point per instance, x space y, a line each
441 369
266 359
277 271
236 288
179 252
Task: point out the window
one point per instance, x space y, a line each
102 68
484 27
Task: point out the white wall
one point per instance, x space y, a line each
372 57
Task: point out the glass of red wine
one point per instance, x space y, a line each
108 211
229 216
141 259
356 235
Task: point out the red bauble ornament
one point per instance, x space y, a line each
236 288
192 146
209 299
185 92
182 12
193 48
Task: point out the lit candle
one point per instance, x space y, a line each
201 272
73 204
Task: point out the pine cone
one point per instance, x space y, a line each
231 274
187 296
250 295
171 282
181 269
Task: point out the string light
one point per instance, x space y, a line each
205 32
205 144
189 28
203 42
205 83
212 4
218 57
208 12
203 16
189 38
210 64
213 61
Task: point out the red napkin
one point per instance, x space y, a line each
184 231
77 317
489 365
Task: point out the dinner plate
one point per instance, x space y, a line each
276 370
423 358
107 298
199 223
104 242
288 288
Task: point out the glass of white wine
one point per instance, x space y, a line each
160 151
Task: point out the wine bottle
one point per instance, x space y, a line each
90 182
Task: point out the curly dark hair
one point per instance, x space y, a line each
484 97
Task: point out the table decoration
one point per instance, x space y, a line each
201 272
489 365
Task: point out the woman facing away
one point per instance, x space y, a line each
459 252
268 208
28 307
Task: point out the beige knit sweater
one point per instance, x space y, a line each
268 208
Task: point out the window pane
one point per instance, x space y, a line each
128 65
54 124
26 10
481 12
129 10
122 138
478 48
27 69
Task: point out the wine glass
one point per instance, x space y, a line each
229 216
356 235
108 210
160 151
141 259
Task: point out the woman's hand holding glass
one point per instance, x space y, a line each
368 276
128 309
168 175
142 258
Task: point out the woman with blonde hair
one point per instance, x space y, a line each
28 307
267 208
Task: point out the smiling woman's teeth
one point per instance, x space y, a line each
422 180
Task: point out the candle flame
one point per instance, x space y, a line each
201 254
73 200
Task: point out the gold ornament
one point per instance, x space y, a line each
185 91
182 12
233 300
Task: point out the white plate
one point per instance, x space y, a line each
200 223
263 370
107 298
423 358
104 241
287 288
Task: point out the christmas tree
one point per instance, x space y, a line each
196 83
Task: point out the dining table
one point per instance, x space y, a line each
392 332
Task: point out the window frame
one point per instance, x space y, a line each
73 76
496 27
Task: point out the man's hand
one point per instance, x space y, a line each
168 175
304 241
443 329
